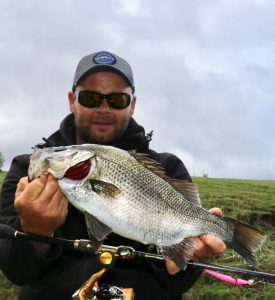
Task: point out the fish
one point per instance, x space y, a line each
130 194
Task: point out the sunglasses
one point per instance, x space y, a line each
92 99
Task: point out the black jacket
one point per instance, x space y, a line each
59 273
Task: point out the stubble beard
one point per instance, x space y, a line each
86 135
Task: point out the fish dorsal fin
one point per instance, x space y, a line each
188 189
185 187
149 163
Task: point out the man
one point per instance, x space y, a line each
102 103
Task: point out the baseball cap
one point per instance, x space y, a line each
103 61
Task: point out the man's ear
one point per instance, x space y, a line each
71 97
133 105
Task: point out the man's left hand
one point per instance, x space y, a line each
206 247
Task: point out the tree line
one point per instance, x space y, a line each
2 159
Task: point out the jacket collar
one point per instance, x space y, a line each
133 139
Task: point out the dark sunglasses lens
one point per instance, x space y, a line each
89 99
119 101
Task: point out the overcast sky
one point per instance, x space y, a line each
203 70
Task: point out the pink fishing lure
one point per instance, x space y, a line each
229 279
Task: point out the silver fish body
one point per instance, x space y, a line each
129 194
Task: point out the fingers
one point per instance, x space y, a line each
58 202
216 211
58 206
171 267
50 188
21 186
214 245
31 190
41 205
206 246
202 253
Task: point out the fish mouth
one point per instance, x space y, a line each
79 171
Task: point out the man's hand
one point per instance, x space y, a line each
206 246
41 205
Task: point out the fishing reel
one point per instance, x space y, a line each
91 290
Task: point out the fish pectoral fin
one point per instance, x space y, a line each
106 189
180 253
96 228
96 244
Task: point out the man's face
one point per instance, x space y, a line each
102 124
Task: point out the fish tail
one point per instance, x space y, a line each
246 240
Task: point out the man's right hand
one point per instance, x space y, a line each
41 205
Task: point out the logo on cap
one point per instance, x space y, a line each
104 58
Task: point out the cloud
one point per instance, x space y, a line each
204 75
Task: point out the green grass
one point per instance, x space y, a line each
2 176
8 291
252 201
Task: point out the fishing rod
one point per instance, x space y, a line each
123 252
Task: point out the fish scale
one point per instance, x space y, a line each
129 194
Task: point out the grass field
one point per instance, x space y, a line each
252 201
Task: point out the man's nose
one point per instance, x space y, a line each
104 106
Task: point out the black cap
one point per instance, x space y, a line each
103 61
